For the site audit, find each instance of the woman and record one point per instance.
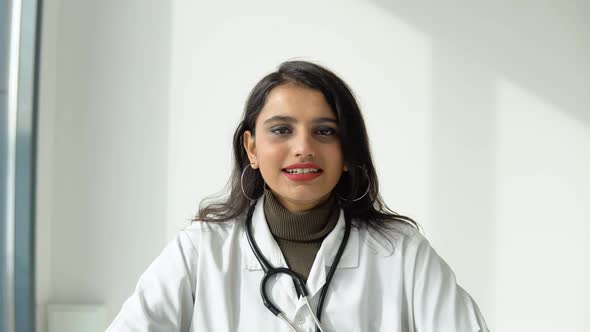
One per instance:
(303, 195)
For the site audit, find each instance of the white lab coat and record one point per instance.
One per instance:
(208, 279)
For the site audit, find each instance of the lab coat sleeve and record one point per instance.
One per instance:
(163, 299)
(439, 304)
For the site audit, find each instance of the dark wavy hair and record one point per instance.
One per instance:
(354, 142)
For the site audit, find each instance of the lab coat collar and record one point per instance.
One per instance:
(324, 258)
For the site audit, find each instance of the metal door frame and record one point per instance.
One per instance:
(19, 72)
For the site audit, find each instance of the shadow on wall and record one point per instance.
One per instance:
(539, 46)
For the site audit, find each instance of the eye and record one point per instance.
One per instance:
(280, 130)
(326, 131)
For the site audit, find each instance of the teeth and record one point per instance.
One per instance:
(302, 170)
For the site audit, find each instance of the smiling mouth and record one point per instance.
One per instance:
(302, 170)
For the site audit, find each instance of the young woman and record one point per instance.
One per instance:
(304, 241)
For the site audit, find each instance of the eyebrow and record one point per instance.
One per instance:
(289, 119)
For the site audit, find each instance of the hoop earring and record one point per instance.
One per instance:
(242, 183)
(366, 191)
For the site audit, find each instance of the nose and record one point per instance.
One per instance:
(303, 146)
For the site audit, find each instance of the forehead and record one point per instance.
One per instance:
(301, 103)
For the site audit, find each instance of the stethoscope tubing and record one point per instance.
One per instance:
(300, 284)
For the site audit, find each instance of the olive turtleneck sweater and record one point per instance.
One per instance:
(300, 234)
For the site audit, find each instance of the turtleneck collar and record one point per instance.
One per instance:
(308, 226)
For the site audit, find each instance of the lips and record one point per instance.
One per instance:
(302, 171)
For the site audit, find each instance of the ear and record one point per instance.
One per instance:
(250, 148)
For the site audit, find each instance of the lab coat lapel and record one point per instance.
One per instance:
(327, 253)
(269, 248)
(264, 239)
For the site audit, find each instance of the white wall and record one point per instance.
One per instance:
(510, 128)
(102, 149)
(476, 113)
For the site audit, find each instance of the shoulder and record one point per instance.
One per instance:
(389, 239)
(404, 244)
(196, 227)
(199, 231)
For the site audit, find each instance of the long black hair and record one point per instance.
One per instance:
(370, 209)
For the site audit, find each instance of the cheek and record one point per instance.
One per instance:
(335, 155)
(270, 156)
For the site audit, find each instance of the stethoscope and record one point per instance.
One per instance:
(300, 284)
